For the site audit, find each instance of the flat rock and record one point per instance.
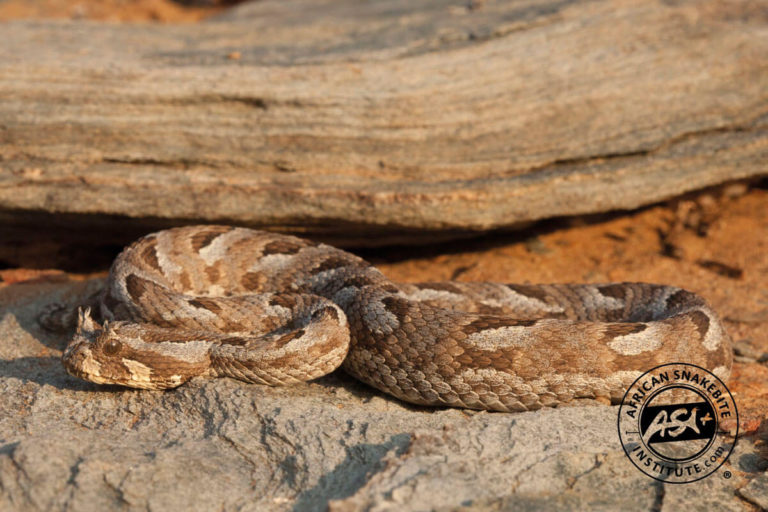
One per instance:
(367, 123)
(757, 491)
(335, 444)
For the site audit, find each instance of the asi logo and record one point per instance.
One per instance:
(669, 423)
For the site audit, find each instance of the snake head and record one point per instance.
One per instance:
(85, 354)
(132, 354)
(79, 357)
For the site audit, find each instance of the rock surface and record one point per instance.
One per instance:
(372, 123)
(225, 445)
(757, 491)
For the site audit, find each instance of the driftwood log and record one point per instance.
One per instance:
(377, 122)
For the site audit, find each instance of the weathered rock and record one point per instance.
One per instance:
(756, 491)
(371, 123)
(225, 445)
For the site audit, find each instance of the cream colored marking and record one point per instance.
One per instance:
(633, 344)
(525, 303)
(217, 250)
(216, 290)
(271, 261)
(193, 351)
(175, 380)
(429, 294)
(493, 339)
(90, 365)
(714, 334)
(722, 372)
(164, 247)
(139, 371)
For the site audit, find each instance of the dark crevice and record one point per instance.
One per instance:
(256, 102)
(668, 249)
(259, 103)
(599, 459)
(721, 269)
(89, 242)
(141, 161)
(666, 144)
(658, 499)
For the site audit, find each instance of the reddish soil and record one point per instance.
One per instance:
(166, 11)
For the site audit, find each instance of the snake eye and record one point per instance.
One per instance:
(111, 347)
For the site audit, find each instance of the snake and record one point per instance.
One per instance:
(267, 308)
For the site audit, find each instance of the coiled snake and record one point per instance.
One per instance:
(275, 309)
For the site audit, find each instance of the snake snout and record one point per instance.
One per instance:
(79, 361)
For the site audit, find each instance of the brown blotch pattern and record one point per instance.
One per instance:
(235, 327)
(136, 286)
(206, 237)
(701, 321)
(204, 303)
(287, 338)
(327, 311)
(253, 281)
(615, 291)
(359, 280)
(149, 254)
(183, 281)
(622, 329)
(397, 306)
(533, 292)
(493, 322)
(235, 340)
(213, 272)
(332, 263)
(285, 301)
(683, 298)
(283, 247)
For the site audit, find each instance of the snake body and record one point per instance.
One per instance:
(274, 309)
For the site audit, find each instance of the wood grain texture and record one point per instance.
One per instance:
(370, 123)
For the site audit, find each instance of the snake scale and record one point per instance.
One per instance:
(274, 309)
